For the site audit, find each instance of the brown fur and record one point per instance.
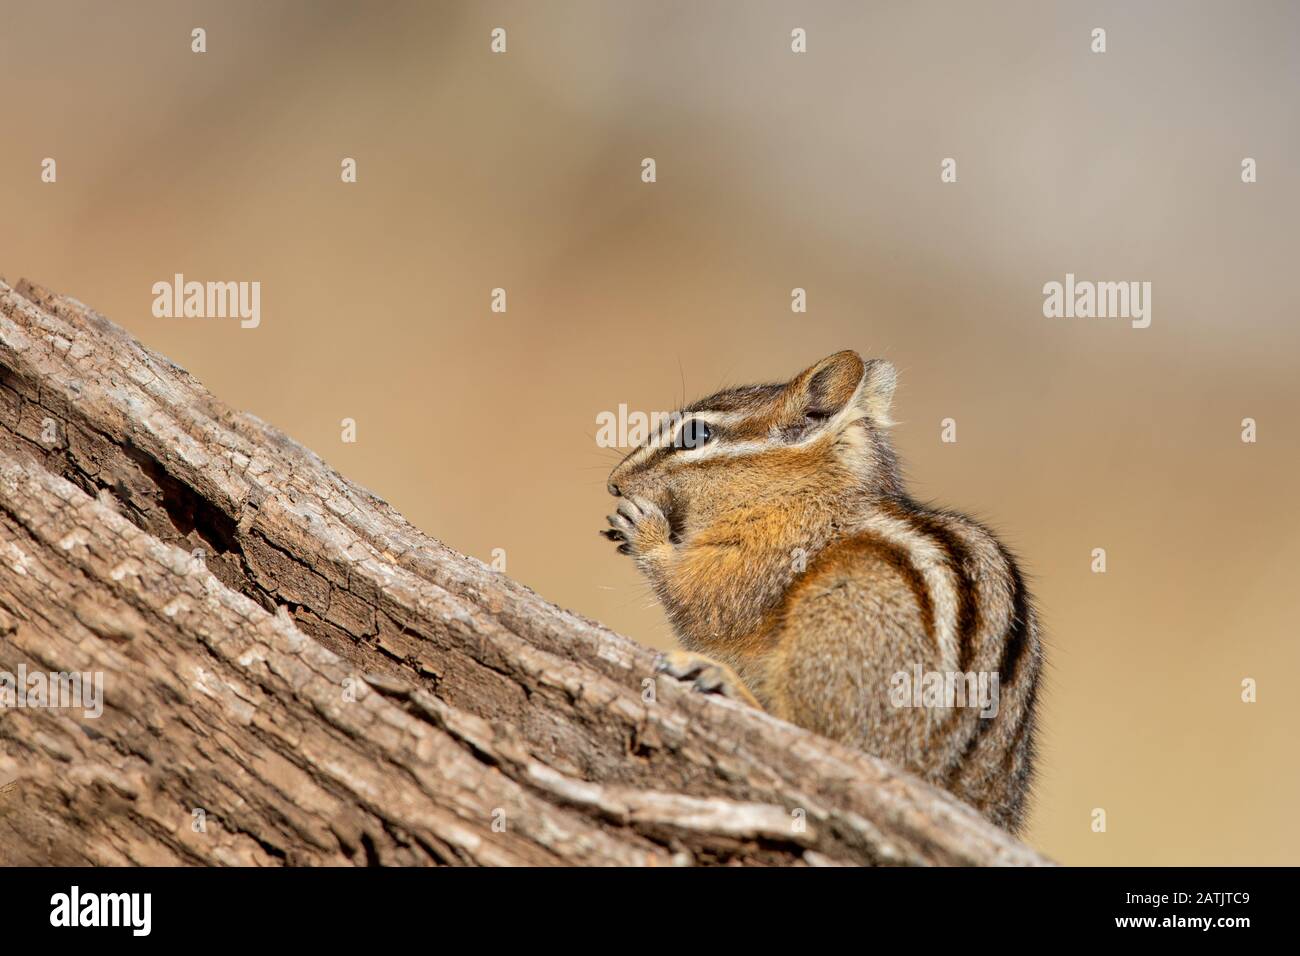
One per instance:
(803, 567)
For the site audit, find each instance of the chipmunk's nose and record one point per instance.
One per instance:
(613, 490)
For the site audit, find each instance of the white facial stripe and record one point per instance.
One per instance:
(721, 449)
(714, 418)
(723, 418)
(929, 561)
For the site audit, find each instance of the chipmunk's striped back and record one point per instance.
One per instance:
(986, 760)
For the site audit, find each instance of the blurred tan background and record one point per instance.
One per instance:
(775, 170)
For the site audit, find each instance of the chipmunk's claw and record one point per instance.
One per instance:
(684, 665)
(706, 675)
(639, 524)
(613, 534)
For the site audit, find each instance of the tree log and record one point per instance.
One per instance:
(293, 674)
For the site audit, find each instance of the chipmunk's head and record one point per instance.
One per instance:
(821, 434)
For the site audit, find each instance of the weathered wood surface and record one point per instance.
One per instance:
(285, 653)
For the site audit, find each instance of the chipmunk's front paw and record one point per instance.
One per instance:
(707, 676)
(640, 525)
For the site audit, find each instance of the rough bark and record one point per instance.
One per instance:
(285, 653)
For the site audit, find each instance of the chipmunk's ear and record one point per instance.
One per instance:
(824, 389)
(877, 393)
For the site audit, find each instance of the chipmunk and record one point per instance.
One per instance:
(772, 524)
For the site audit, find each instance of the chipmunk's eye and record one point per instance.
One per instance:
(694, 434)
